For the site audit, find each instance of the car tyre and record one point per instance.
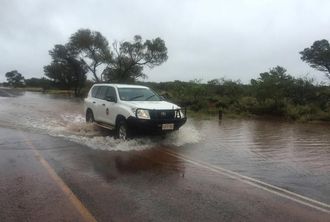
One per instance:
(89, 116)
(122, 131)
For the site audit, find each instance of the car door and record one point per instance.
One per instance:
(109, 116)
(99, 103)
(91, 99)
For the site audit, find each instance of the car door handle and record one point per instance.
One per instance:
(103, 104)
(94, 102)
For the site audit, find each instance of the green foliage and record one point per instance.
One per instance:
(92, 48)
(303, 91)
(274, 93)
(38, 83)
(66, 71)
(214, 82)
(15, 79)
(275, 85)
(123, 64)
(248, 104)
(318, 56)
(130, 58)
(299, 111)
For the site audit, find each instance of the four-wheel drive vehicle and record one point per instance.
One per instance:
(126, 108)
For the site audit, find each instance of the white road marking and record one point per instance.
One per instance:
(257, 183)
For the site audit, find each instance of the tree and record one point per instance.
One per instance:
(38, 82)
(92, 48)
(214, 82)
(275, 84)
(131, 57)
(318, 56)
(272, 90)
(65, 69)
(15, 78)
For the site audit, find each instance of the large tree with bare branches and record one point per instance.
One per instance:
(93, 50)
(131, 57)
(123, 63)
(318, 56)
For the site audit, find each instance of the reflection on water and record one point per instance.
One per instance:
(290, 155)
(112, 165)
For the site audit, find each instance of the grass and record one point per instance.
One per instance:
(48, 91)
(203, 114)
(31, 89)
(60, 92)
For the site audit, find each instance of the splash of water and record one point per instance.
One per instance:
(43, 114)
(186, 135)
(74, 128)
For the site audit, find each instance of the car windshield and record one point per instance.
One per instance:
(138, 94)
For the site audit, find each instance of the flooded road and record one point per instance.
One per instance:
(210, 170)
(63, 117)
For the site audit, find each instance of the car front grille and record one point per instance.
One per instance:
(162, 114)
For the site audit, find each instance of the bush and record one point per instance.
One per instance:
(248, 104)
(296, 112)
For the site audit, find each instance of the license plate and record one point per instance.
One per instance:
(168, 126)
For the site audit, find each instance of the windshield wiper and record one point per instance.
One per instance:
(135, 97)
(149, 97)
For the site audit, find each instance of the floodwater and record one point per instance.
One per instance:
(292, 156)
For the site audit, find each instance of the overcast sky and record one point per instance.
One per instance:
(205, 39)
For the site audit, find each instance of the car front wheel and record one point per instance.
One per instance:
(122, 130)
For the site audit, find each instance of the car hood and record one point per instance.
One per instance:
(157, 105)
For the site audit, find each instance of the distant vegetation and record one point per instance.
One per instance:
(273, 93)
(14, 79)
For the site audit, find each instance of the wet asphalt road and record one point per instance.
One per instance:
(44, 178)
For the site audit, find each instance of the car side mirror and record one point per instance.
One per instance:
(111, 99)
(162, 98)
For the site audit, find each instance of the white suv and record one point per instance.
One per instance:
(126, 108)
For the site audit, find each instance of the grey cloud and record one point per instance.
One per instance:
(205, 39)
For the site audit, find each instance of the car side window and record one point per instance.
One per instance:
(101, 92)
(94, 91)
(111, 94)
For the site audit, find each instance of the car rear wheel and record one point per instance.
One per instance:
(89, 116)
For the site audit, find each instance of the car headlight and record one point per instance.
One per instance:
(142, 114)
(179, 114)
